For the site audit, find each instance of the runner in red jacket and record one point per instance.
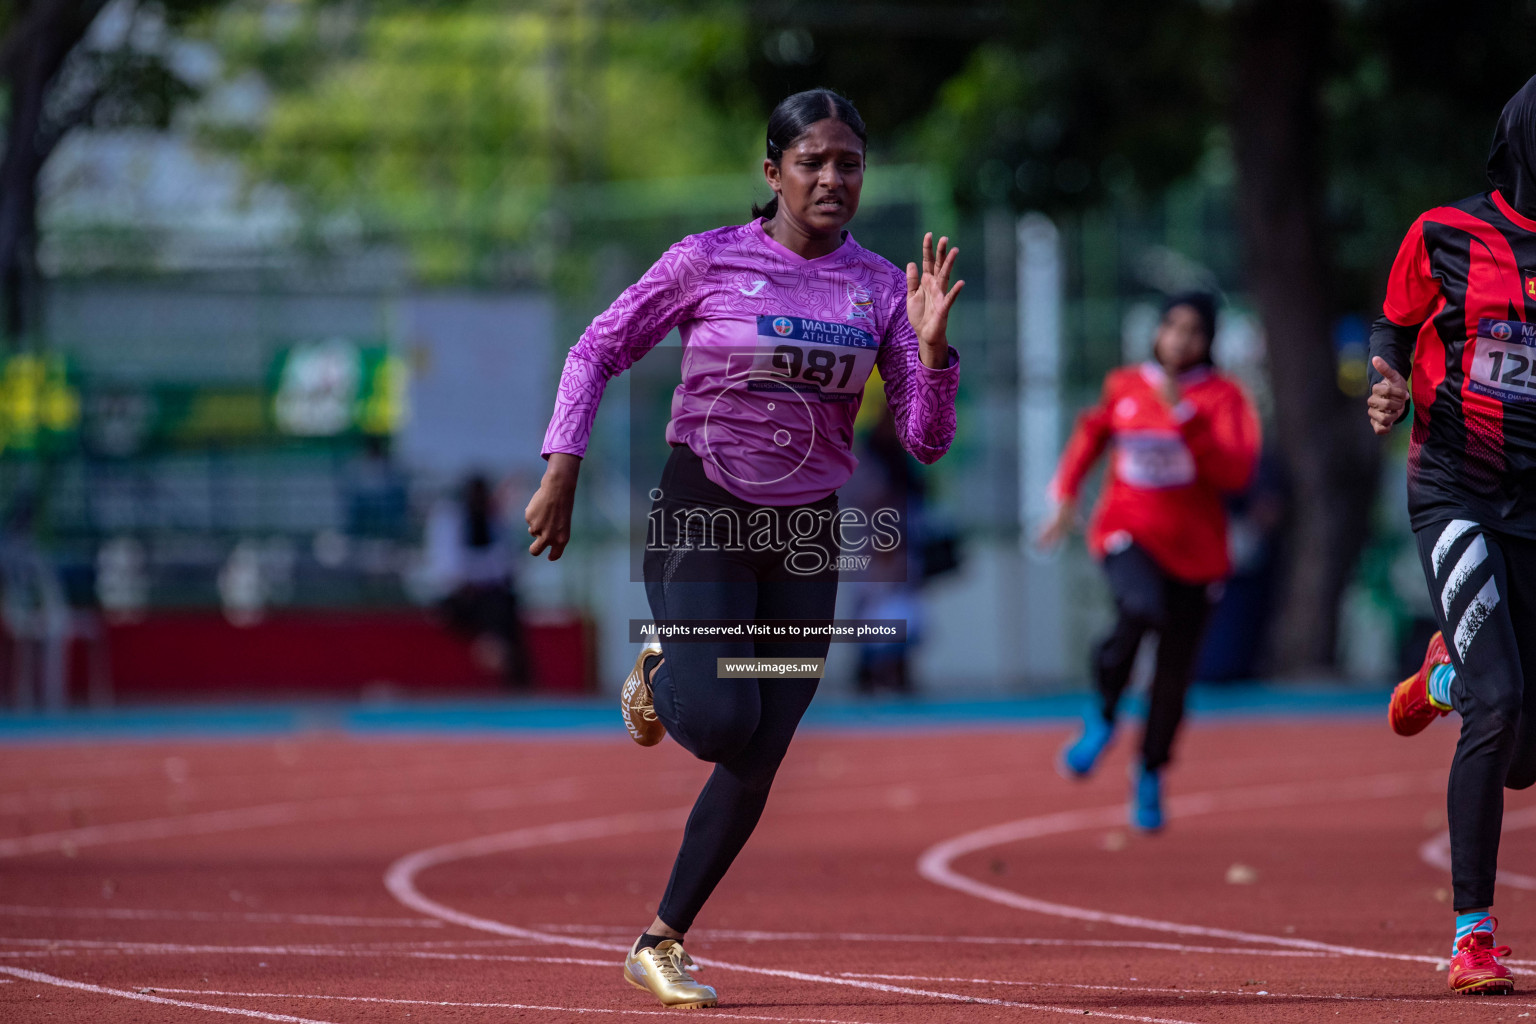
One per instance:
(1182, 436)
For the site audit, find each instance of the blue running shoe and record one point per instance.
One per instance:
(1147, 800)
(1078, 757)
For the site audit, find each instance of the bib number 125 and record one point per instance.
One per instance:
(1504, 361)
(1513, 365)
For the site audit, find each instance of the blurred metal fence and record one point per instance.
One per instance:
(175, 481)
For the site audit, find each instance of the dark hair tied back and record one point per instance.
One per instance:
(793, 117)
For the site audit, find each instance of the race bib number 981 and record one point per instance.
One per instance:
(1504, 362)
(829, 359)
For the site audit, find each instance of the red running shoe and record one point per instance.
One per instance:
(1475, 969)
(1411, 710)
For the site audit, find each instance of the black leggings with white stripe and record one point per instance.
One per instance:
(1483, 588)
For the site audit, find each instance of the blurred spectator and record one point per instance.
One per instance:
(896, 482)
(38, 622)
(1236, 640)
(469, 565)
(377, 496)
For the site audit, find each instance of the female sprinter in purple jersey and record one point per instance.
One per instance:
(782, 320)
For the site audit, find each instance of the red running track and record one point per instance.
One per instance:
(938, 876)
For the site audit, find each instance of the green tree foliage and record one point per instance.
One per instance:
(461, 127)
(890, 56)
(1413, 89)
(1072, 106)
(1067, 106)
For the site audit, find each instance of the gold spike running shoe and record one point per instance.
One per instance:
(638, 704)
(662, 970)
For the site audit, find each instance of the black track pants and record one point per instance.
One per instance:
(1483, 588)
(1147, 600)
(744, 725)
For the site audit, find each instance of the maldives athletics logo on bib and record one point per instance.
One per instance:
(783, 326)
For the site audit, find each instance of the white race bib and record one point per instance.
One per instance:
(829, 360)
(1504, 360)
(1153, 459)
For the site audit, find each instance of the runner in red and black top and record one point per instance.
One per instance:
(1459, 322)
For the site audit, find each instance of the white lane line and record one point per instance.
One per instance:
(201, 823)
(502, 1006)
(278, 949)
(722, 935)
(43, 948)
(727, 935)
(1256, 993)
(55, 948)
(69, 947)
(61, 801)
(287, 813)
(126, 914)
(937, 862)
(145, 997)
(198, 785)
(1436, 852)
(400, 880)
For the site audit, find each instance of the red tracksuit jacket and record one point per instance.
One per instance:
(1169, 468)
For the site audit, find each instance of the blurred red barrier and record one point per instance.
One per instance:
(331, 654)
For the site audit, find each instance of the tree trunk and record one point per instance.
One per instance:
(1332, 458)
(42, 37)
(18, 200)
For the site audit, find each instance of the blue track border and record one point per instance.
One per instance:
(543, 717)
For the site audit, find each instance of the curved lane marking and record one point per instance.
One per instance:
(1252, 993)
(936, 863)
(501, 1006)
(1436, 852)
(400, 880)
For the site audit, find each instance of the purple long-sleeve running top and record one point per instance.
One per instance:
(776, 352)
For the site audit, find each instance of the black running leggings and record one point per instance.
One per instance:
(743, 725)
(1483, 588)
(1147, 599)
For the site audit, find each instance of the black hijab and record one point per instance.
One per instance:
(1512, 161)
(1204, 305)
